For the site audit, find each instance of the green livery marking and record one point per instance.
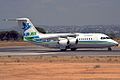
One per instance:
(32, 33)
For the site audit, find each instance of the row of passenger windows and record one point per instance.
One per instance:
(105, 38)
(85, 38)
(92, 39)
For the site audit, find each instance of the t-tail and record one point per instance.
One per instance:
(30, 33)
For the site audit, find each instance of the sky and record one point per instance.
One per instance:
(61, 12)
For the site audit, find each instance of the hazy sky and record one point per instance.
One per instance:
(62, 12)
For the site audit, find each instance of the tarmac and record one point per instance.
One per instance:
(56, 52)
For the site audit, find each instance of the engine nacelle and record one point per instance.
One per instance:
(63, 41)
(69, 42)
(72, 41)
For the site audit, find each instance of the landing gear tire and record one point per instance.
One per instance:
(73, 49)
(63, 49)
(109, 49)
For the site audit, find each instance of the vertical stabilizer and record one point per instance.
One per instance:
(29, 31)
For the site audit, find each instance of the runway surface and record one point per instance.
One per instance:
(47, 51)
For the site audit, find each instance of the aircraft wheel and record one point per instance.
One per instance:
(63, 49)
(109, 49)
(73, 49)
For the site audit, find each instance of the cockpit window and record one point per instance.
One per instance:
(108, 37)
(105, 38)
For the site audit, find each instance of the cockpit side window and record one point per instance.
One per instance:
(105, 38)
(102, 37)
(108, 38)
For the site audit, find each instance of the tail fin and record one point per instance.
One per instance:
(29, 31)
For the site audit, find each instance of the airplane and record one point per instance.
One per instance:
(64, 41)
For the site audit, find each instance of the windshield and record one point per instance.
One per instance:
(105, 38)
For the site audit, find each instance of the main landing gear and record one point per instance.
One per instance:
(63, 49)
(109, 49)
(73, 49)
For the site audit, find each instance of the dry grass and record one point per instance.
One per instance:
(60, 59)
(59, 71)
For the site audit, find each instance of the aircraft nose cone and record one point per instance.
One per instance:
(116, 43)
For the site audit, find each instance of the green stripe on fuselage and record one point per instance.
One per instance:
(29, 38)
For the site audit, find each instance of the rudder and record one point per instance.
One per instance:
(30, 33)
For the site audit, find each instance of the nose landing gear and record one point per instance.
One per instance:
(109, 49)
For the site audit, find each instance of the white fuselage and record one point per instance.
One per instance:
(85, 40)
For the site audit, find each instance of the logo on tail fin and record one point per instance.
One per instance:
(26, 26)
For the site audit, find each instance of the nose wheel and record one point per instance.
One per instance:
(109, 49)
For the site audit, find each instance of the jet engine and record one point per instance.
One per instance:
(69, 42)
(63, 42)
(72, 41)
